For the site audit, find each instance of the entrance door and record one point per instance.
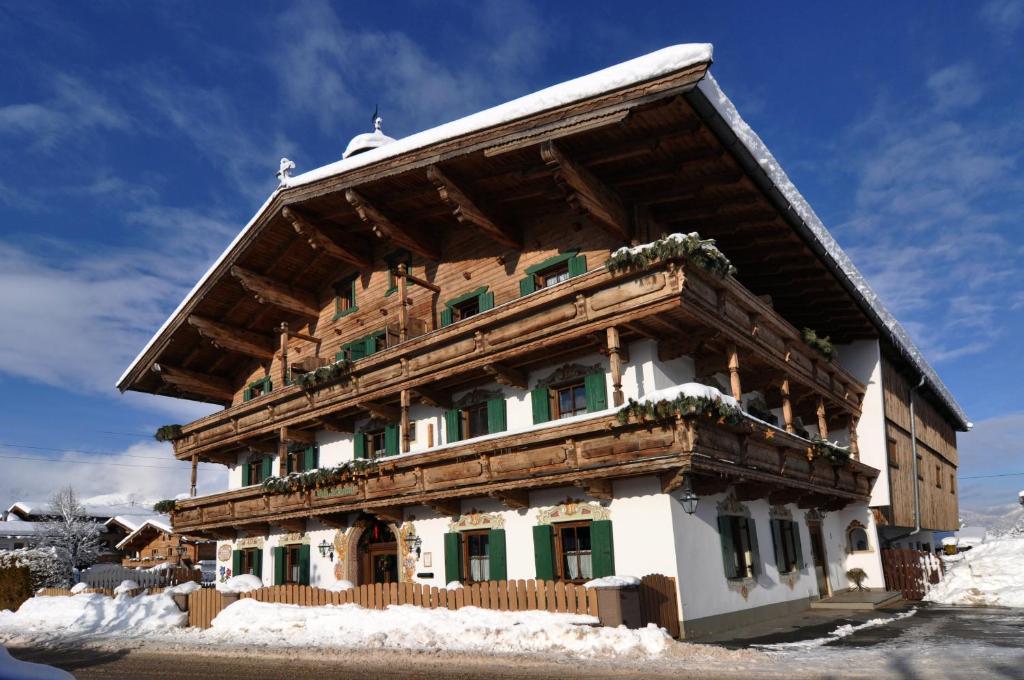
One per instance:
(818, 555)
(378, 555)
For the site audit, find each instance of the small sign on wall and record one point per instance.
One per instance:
(428, 559)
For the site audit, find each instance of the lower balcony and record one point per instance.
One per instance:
(589, 452)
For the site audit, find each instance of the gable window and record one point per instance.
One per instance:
(738, 537)
(553, 271)
(573, 556)
(257, 388)
(577, 394)
(345, 297)
(466, 306)
(786, 541)
(302, 459)
(476, 418)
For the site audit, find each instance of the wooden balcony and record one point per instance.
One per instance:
(761, 461)
(685, 307)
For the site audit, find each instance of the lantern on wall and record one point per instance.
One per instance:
(688, 499)
(326, 549)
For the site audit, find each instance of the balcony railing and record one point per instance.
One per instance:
(573, 311)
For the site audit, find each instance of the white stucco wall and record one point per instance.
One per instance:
(840, 559)
(863, 360)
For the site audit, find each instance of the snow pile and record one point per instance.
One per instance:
(343, 584)
(842, 631)
(79, 587)
(408, 627)
(240, 584)
(988, 575)
(93, 614)
(183, 588)
(453, 585)
(612, 582)
(14, 669)
(691, 389)
(126, 586)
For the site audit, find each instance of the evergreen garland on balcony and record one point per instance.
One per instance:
(164, 507)
(822, 344)
(323, 375)
(686, 406)
(702, 252)
(836, 454)
(167, 433)
(319, 478)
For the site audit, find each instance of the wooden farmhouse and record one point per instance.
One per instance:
(506, 348)
(154, 543)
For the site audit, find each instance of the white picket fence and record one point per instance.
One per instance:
(111, 576)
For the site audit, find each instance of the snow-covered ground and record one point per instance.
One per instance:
(13, 669)
(990, 574)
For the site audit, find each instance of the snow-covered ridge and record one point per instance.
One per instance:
(988, 575)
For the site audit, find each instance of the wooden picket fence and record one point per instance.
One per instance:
(658, 603)
(109, 592)
(111, 575)
(517, 595)
(910, 571)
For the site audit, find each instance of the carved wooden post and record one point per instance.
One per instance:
(405, 420)
(195, 465)
(403, 308)
(284, 353)
(734, 373)
(854, 448)
(282, 452)
(787, 407)
(822, 420)
(615, 359)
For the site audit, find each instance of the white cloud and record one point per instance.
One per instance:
(955, 86)
(992, 447)
(1003, 17)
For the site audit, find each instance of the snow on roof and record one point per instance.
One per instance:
(131, 522)
(157, 524)
(18, 527)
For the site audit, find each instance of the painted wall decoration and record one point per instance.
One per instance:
(573, 510)
(730, 506)
(780, 512)
(293, 537)
(477, 520)
(406, 551)
(249, 542)
(224, 553)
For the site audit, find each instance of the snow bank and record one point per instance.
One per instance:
(842, 631)
(343, 584)
(612, 581)
(691, 389)
(125, 586)
(407, 627)
(183, 588)
(990, 574)
(93, 614)
(15, 669)
(240, 584)
(453, 585)
(79, 587)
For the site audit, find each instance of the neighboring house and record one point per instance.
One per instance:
(429, 374)
(33, 516)
(17, 533)
(153, 543)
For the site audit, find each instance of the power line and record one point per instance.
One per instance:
(87, 452)
(1007, 474)
(91, 462)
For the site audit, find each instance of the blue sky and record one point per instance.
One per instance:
(139, 137)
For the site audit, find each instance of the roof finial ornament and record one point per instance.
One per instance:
(377, 120)
(284, 172)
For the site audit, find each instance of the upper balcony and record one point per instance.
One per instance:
(690, 311)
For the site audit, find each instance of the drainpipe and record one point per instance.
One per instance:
(913, 450)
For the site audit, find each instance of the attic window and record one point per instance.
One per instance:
(345, 297)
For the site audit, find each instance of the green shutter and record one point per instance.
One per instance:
(796, 545)
(452, 557)
(304, 564)
(268, 385)
(497, 419)
(452, 425)
(360, 445)
(268, 466)
(356, 349)
(596, 391)
(257, 563)
(236, 562)
(527, 285)
(486, 301)
(245, 474)
(370, 343)
(310, 458)
(602, 548)
(728, 550)
(278, 565)
(541, 405)
(577, 265)
(391, 440)
(754, 551)
(498, 560)
(247, 394)
(778, 543)
(543, 552)
(446, 317)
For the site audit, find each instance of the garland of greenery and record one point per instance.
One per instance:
(686, 406)
(701, 252)
(836, 454)
(168, 433)
(758, 408)
(323, 375)
(823, 345)
(319, 478)
(164, 507)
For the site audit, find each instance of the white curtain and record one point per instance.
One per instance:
(480, 568)
(579, 564)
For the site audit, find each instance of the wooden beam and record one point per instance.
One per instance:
(293, 525)
(233, 339)
(192, 485)
(404, 421)
(385, 228)
(263, 445)
(338, 520)
(673, 479)
(391, 513)
(467, 212)
(734, 372)
(268, 291)
(753, 491)
(191, 382)
(336, 424)
(450, 507)
(785, 496)
(586, 194)
(822, 419)
(513, 500)
(508, 376)
(293, 436)
(787, 407)
(254, 528)
(432, 397)
(709, 486)
(318, 240)
(600, 489)
(615, 362)
(388, 413)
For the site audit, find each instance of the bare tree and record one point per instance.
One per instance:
(74, 534)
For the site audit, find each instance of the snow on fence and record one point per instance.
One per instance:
(109, 592)
(111, 575)
(521, 595)
(912, 572)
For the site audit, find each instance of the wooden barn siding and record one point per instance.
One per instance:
(936, 442)
(465, 251)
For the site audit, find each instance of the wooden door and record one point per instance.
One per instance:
(379, 564)
(820, 563)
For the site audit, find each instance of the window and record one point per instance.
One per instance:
(552, 275)
(739, 546)
(257, 388)
(376, 443)
(292, 566)
(474, 420)
(570, 400)
(553, 271)
(465, 306)
(573, 556)
(786, 541)
(302, 459)
(465, 309)
(476, 558)
(345, 297)
(938, 476)
(255, 471)
(952, 482)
